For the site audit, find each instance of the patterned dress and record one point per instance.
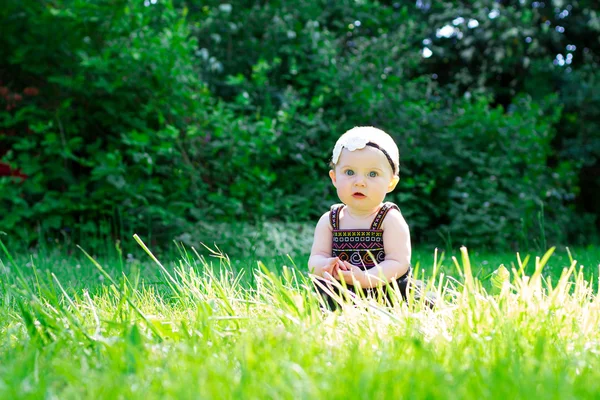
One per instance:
(360, 246)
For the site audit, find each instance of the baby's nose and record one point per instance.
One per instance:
(360, 181)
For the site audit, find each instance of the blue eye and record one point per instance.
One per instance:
(373, 174)
(349, 172)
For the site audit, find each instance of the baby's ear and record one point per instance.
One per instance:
(393, 183)
(332, 176)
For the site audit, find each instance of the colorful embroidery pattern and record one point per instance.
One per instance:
(359, 246)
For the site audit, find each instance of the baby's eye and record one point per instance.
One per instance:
(373, 174)
(349, 172)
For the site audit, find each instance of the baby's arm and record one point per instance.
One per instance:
(320, 256)
(396, 243)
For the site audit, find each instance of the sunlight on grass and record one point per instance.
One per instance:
(204, 332)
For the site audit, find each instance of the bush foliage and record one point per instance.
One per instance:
(151, 117)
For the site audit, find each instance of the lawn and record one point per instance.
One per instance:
(194, 326)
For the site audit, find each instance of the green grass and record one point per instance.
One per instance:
(202, 327)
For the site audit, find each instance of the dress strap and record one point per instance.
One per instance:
(334, 216)
(385, 208)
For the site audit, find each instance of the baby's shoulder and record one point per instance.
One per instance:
(333, 210)
(334, 214)
(394, 218)
(325, 216)
(325, 220)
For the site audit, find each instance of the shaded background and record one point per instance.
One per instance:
(183, 119)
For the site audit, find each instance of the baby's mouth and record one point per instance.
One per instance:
(358, 195)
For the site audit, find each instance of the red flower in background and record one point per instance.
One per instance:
(6, 170)
(31, 91)
(12, 99)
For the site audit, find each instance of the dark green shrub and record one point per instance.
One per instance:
(501, 181)
(579, 142)
(504, 49)
(105, 139)
(149, 118)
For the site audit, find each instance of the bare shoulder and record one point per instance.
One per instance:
(396, 238)
(323, 237)
(395, 221)
(324, 221)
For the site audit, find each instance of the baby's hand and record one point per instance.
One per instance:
(344, 265)
(332, 265)
(339, 269)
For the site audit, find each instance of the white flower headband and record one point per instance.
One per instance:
(360, 137)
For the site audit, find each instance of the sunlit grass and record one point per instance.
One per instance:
(203, 327)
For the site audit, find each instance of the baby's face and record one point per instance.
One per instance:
(363, 178)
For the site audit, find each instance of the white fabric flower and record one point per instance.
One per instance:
(358, 137)
(350, 142)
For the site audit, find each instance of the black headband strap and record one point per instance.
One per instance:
(386, 155)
